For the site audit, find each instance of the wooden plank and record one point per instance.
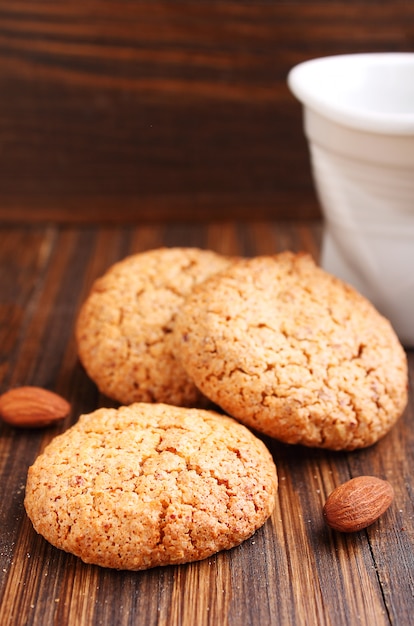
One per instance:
(167, 110)
(294, 570)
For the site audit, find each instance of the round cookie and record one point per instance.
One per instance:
(151, 484)
(293, 352)
(123, 330)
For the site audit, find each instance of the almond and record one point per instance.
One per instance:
(32, 407)
(357, 503)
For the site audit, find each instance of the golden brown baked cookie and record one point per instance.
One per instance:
(151, 484)
(123, 330)
(293, 352)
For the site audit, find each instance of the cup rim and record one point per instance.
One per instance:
(300, 83)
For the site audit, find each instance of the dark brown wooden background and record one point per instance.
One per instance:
(124, 110)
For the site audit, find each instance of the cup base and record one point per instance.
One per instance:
(336, 262)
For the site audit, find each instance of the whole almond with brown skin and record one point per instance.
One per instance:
(358, 503)
(32, 407)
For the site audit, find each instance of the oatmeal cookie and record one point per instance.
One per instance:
(151, 484)
(293, 352)
(123, 330)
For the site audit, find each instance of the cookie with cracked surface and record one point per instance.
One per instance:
(151, 484)
(123, 330)
(293, 352)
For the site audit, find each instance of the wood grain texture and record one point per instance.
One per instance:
(294, 570)
(167, 110)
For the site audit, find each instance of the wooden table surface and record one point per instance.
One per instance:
(294, 570)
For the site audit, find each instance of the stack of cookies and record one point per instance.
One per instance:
(276, 342)
(281, 346)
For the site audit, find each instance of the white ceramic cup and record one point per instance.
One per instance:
(359, 122)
